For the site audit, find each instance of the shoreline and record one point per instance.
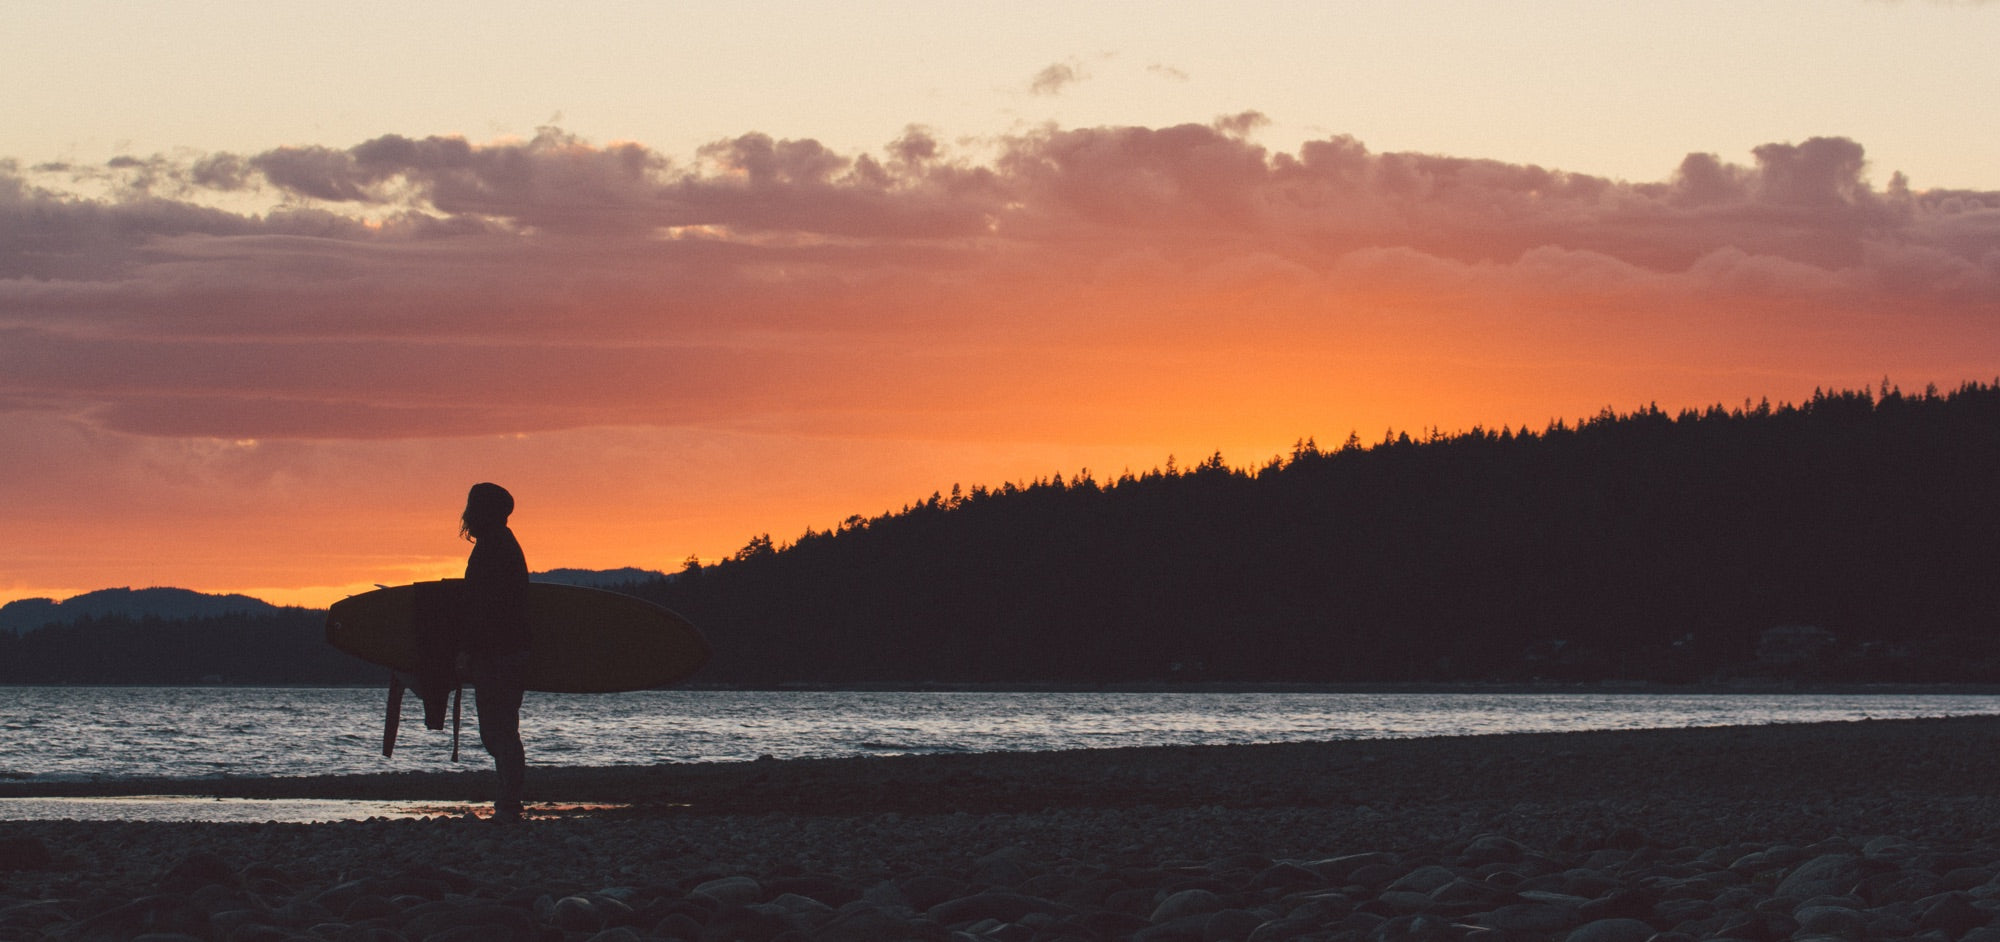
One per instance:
(1802, 758)
(1533, 835)
(1740, 688)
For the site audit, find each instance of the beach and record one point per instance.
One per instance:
(1863, 830)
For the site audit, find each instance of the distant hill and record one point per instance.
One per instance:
(598, 578)
(281, 646)
(167, 603)
(171, 604)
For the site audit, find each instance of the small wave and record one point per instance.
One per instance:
(13, 776)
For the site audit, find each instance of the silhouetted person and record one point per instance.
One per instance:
(494, 643)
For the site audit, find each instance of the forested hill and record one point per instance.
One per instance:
(28, 614)
(285, 646)
(1864, 526)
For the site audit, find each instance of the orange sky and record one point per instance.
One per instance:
(665, 357)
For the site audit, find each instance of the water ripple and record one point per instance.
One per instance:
(85, 733)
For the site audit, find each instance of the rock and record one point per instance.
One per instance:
(1563, 900)
(1895, 886)
(195, 871)
(730, 891)
(1462, 895)
(1397, 903)
(34, 915)
(744, 924)
(926, 890)
(1954, 914)
(1001, 868)
(1491, 849)
(226, 923)
(1777, 857)
(1186, 903)
(1887, 925)
(1282, 930)
(1617, 904)
(1676, 911)
(1112, 925)
(1287, 876)
(792, 904)
(1005, 907)
(829, 890)
(1424, 879)
(1888, 846)
(25, 853)
(1529, 918)
(1612, 930)
(1342, 869)
(357, 934)
(862, 923)
(1231, 925)
(1418, 928)
(468, 922)
(1757, 927)
(680, 926)
(1374, 876)
(1965, 878)
(1184, 929)
(1831, 920)
(456, 934)
(1825, 875)
(165, 914)
(575, 914)
(258, 932)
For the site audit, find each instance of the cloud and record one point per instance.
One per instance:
(407, 288)
(1056, 78)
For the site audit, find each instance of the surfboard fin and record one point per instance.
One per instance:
(435, 696)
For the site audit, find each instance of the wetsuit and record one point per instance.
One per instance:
(496, 640)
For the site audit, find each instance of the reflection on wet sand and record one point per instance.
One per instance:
(253, 810)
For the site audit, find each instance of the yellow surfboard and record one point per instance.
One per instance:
(581, 640)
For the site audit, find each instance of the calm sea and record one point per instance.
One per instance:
(89, 733)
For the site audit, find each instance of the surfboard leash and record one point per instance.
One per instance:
(457, 699)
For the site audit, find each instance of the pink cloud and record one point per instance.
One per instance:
(436, 287)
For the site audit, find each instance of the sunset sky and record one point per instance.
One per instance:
(279, 281)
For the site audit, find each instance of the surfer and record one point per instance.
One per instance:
(494, 645)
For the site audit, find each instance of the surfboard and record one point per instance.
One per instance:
(581, 640)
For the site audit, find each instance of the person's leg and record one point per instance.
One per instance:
(498, 701)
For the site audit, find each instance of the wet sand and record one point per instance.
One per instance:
(1385, 840)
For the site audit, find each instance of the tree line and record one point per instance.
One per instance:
(1641, 546)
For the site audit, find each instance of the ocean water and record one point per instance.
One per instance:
(92, 733)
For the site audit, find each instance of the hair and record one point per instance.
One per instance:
(487, 507)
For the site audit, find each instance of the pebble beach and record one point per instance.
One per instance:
(1858, 831)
